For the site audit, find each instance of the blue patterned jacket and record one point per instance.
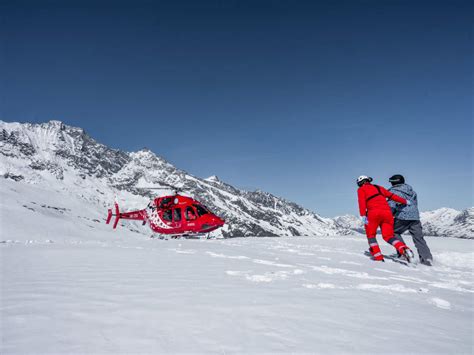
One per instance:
(404, 212)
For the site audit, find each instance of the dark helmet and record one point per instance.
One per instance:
(361, 180)
(397, 179)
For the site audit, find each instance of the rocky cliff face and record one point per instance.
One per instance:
(67, 158)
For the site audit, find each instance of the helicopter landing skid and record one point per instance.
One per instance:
(184, 236)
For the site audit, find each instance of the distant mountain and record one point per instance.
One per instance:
(59, 156)
(443, 222)
(447, 222)
(351, 222)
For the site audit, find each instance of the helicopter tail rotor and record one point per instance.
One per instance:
(109, 216)
(117, 215)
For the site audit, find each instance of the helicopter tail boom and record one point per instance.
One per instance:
(135, 215)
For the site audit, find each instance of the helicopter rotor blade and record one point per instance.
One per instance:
(174, 188)
(159, 188)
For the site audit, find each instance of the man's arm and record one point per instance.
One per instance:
(392, 196)
(362, 205)
(392, 204)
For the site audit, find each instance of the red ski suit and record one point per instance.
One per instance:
(373, 204)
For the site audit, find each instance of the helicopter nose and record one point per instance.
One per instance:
(219, 221)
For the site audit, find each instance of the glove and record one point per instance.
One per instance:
(409, 203)
(364, 219)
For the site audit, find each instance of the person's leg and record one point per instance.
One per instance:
(388, 233)
(424, 252)
(374, 248)
(399, 227)
(371, 231)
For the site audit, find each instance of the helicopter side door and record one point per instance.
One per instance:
(167, 216)
(190, 216)
(177, 217)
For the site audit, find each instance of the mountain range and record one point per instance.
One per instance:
(55, 155)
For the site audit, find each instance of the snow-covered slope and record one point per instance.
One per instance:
(70, 284)
(56, 155)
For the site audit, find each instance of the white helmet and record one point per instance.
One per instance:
(362, 179)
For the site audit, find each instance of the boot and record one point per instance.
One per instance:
(407, 254)
(376, 253)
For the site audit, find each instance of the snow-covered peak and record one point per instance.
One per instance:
(213, 178)
(444, 212)
(55, 147)
(145, 155)
(55, 123)
(351, 222)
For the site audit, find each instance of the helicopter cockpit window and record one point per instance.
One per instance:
(167, 215)
(177, 214)
(165, 201)
(200, 210)
(190, 214)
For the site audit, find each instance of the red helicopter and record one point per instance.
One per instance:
(174, 216)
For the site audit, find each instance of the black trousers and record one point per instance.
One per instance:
(416, 231)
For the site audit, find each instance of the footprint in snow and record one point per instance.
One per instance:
(349, 273)
(387, 271)
(186, 251)
(350, 263)
(266, 277)
(395, 288)
(217, 255)
(320, 286)
(272, 263)
(440, 303)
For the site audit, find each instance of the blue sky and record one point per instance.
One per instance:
(294, 98)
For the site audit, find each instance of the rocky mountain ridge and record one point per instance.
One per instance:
(55, 153)
(66, 157)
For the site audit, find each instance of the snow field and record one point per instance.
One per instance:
(71, 284)
(252, 295)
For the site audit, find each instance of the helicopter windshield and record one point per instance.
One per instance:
(201, 210)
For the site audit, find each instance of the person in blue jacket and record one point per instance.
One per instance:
(407, 217)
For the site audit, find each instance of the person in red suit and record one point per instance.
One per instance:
(375, 212)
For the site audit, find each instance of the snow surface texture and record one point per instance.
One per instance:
(71, 284)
